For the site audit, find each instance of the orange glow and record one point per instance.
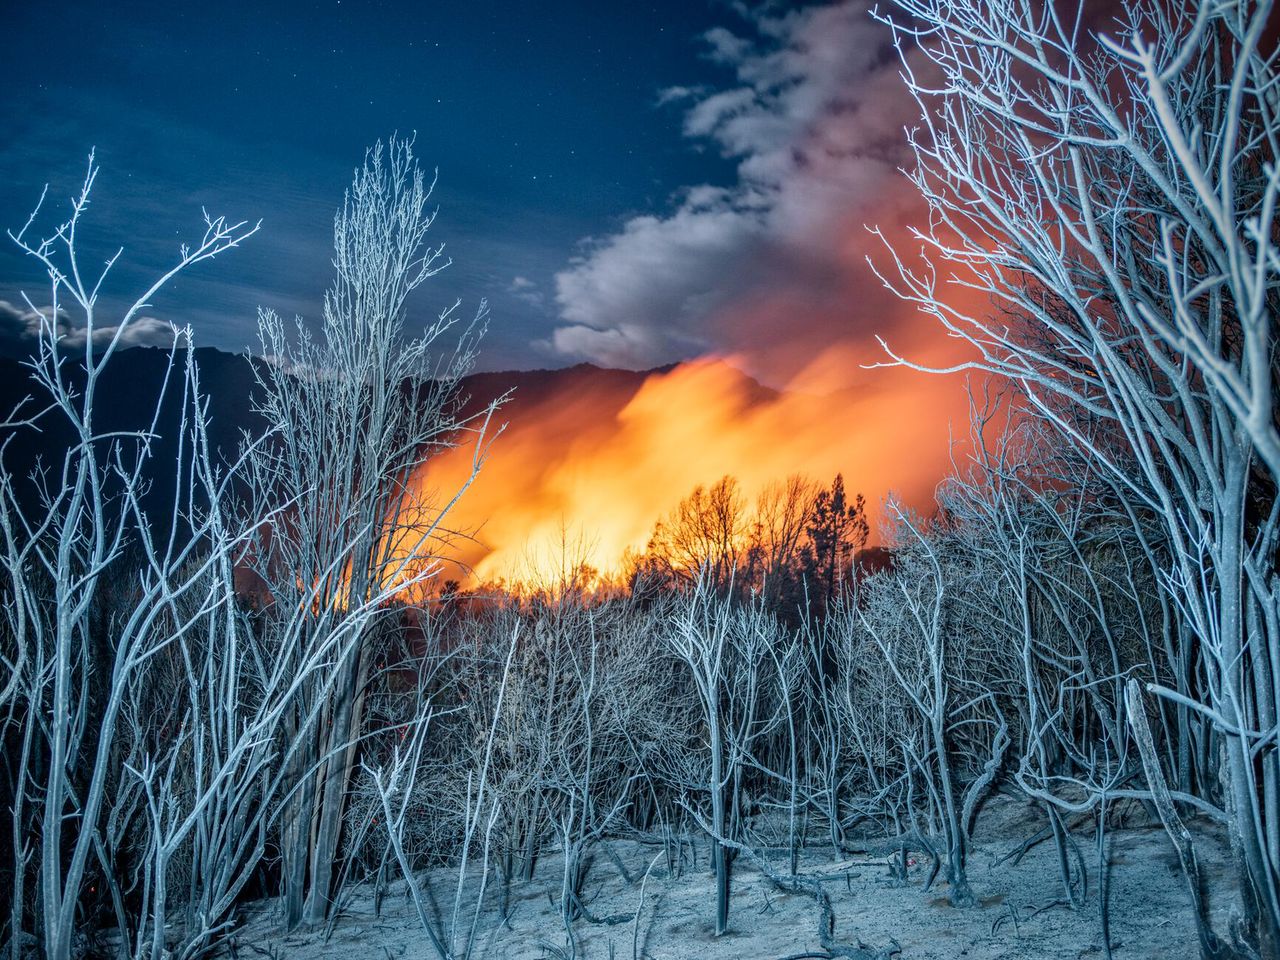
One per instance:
(592, 459)
(597, 458)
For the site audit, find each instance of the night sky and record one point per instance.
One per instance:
(628, 184)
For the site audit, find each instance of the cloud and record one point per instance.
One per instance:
(141, 332)
(726, 47)
(21, 322)
(676, 94)
(20, 328)
(813, 118)
(645, 290)
(522, 288)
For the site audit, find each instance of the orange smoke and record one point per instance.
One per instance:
(593, 459)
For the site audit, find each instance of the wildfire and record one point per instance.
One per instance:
(592, 459)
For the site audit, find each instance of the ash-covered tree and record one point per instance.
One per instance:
(143, 716)
(357, 408)
(1112, 196)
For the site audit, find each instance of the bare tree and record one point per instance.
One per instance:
(726, 647)
(357, 410)
(68, 694)
(912, 619)
(1115, 199)
(777, 532)
(704, 534)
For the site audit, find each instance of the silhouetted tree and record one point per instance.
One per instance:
(776, 542)
(704, 532)
(837, 530)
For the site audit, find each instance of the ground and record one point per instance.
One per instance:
(1016, 919)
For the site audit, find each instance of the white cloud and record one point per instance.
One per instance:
(726, 46)
(676, 94)
(647, 286)
(141, 332)
(522, 288)
(23, 324)
(814, 121)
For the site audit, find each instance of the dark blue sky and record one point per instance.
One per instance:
(543, 119)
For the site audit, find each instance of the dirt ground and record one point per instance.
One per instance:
(1018, 917)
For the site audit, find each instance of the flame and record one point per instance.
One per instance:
(590, 466)
(592, 459)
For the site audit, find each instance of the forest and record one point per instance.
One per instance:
(246, 698)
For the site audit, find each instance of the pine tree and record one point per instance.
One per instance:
(837, 530)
